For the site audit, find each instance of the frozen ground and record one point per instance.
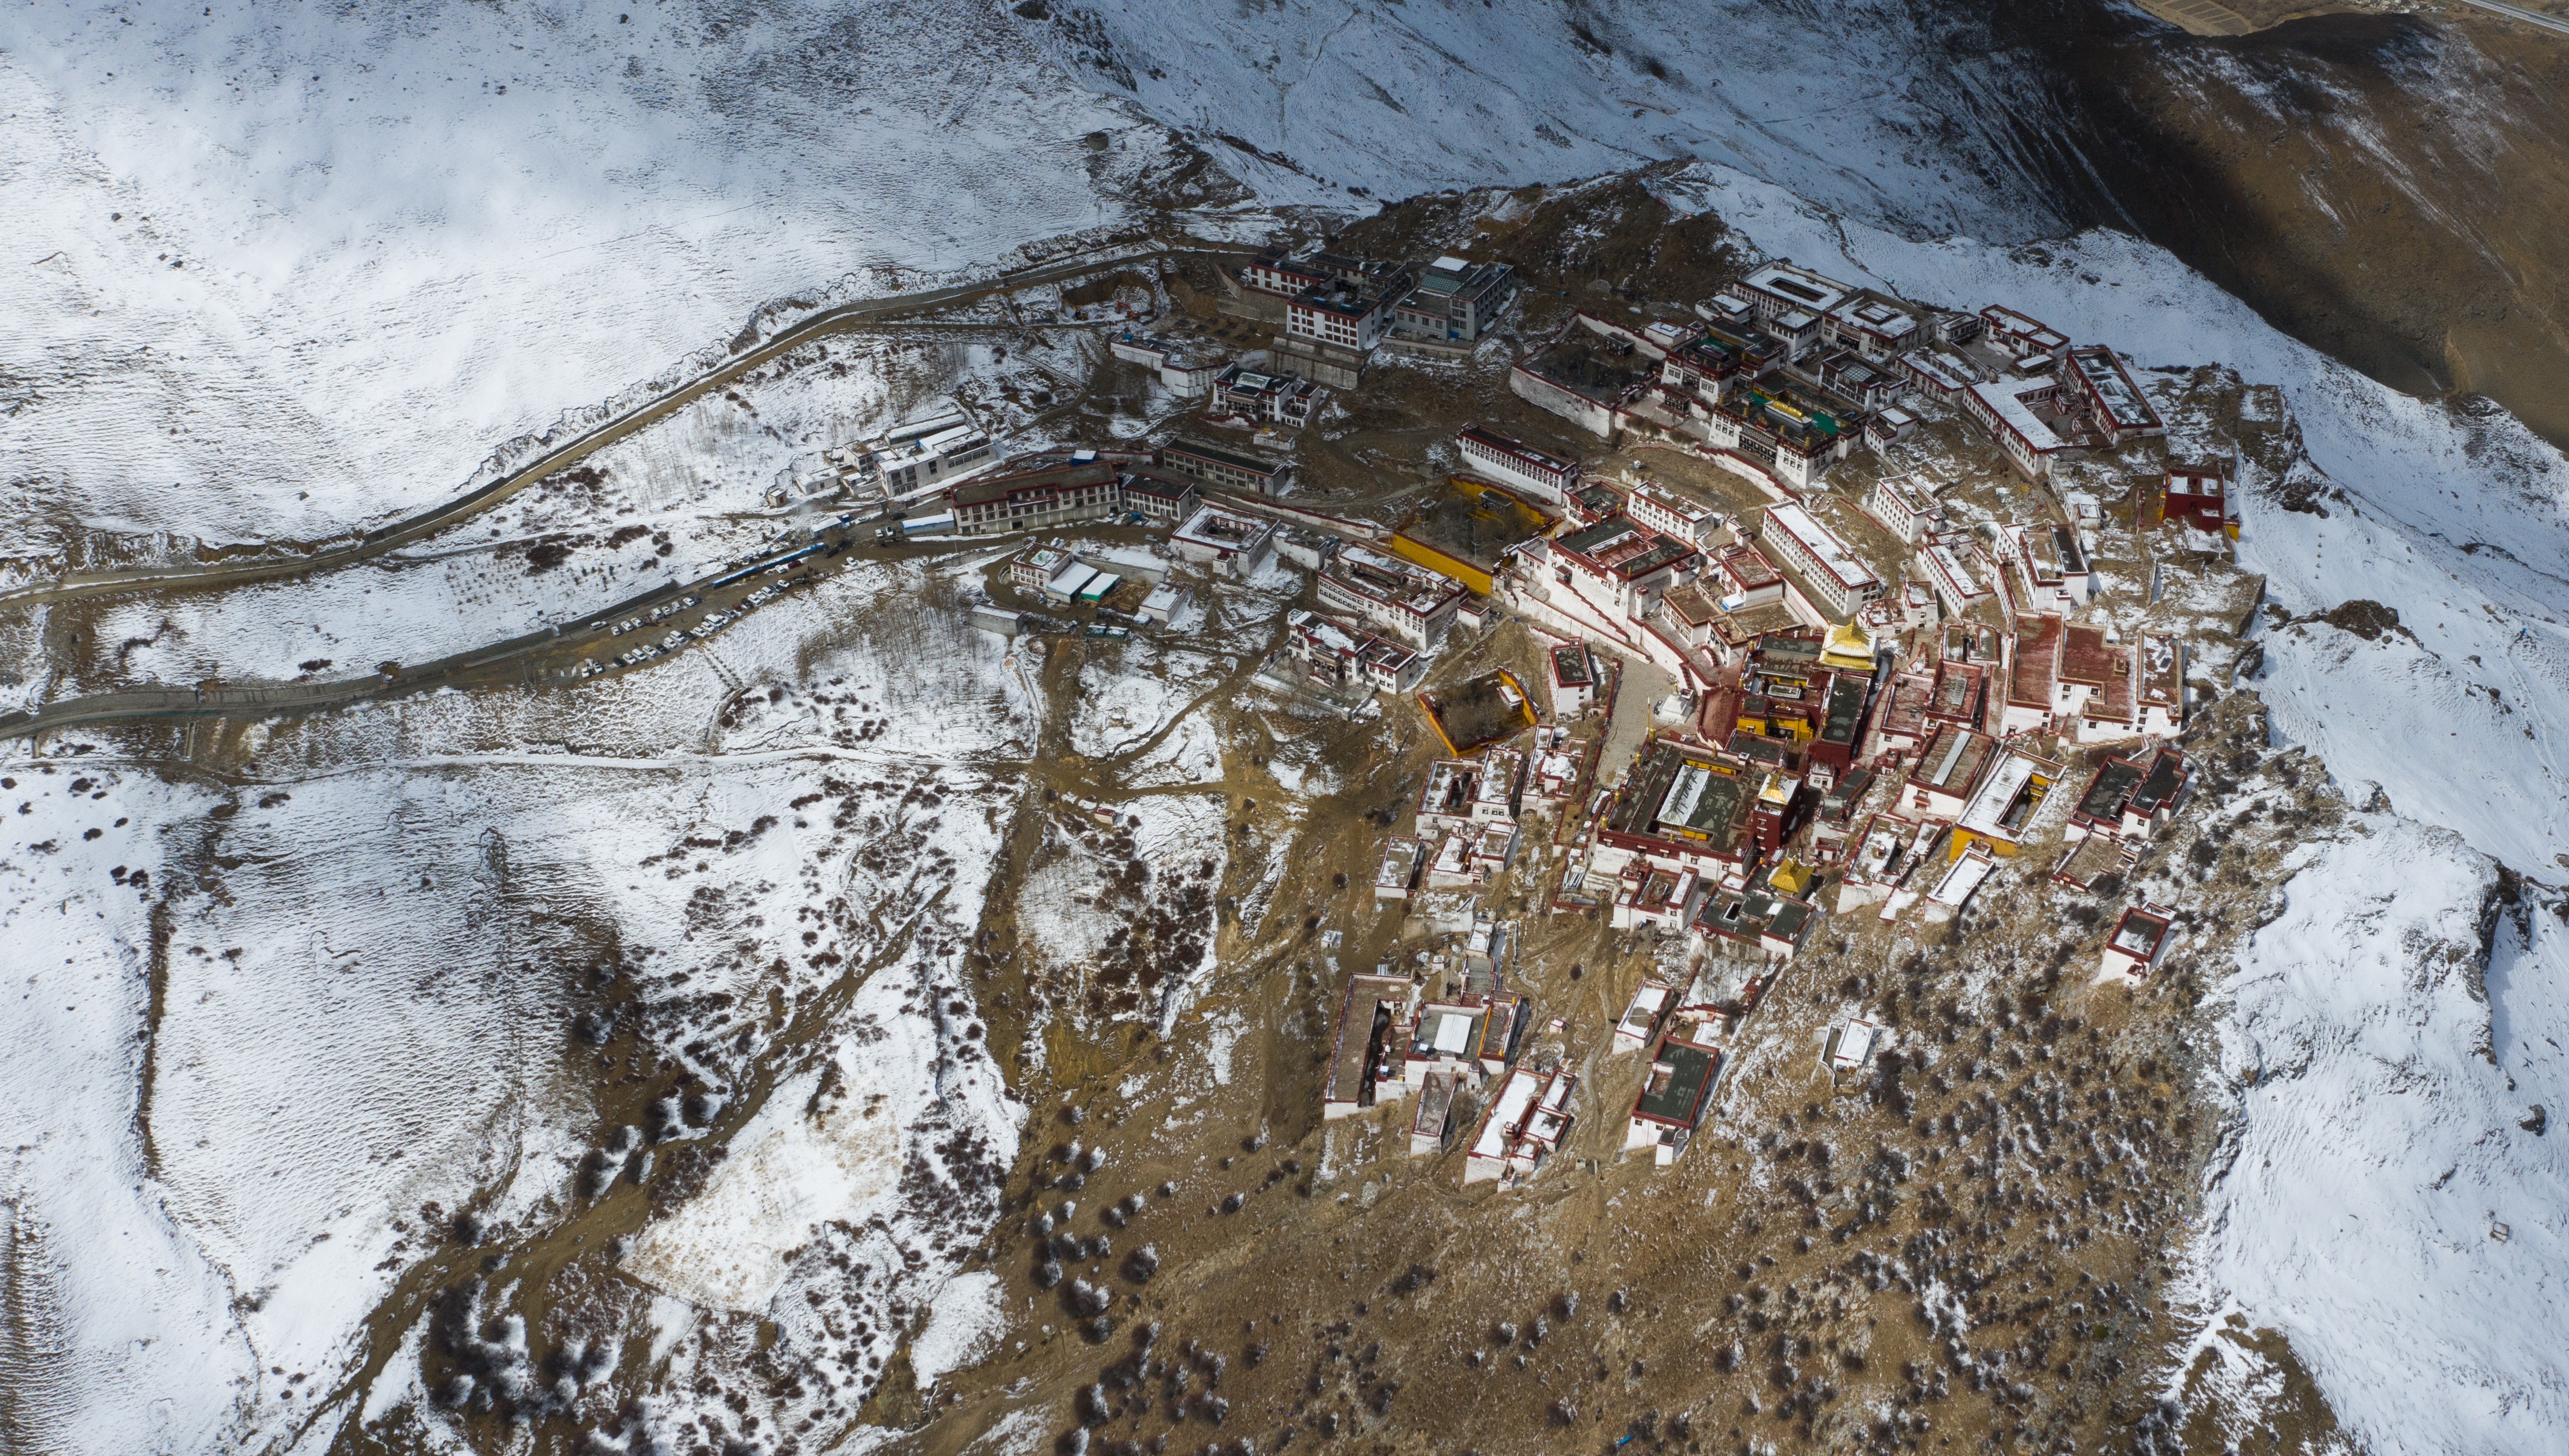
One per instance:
(411, 945)
(677, 500)
(279, 270)
(283, 272)
(2377, 1197)
(1327, 104)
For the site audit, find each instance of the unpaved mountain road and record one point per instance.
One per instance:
(539, 656)
(2518, 12)
(868, 311)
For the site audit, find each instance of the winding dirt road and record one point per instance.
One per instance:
(383, 539)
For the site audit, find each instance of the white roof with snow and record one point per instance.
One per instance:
(1808, 290)
(1824, 545)
(2005, 400)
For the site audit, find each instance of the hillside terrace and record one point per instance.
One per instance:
(1477, 713)
(1588, 365)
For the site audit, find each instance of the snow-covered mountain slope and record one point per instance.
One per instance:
(2379, 1196)
(288, 269)
(281, 269)
(2383, 186)
(301, 1032)
(284, 270)
(1908, 115)
(123, 1305)
(674, 500)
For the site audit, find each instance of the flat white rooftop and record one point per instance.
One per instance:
(2005, 400)
(1808, 290)
(1822, 544)
(1998, 792)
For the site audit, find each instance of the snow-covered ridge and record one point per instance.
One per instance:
(2379, 1196)
(1897, 113)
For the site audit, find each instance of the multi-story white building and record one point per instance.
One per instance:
(2020, 334)
(2114, 403)
(1495, 792)
(1938, 372)
(2053, 568)
(1708, 364)
(1798, 330)
(1226, 540)
(1036, 492)
(1780, 288)
(2143, 695)
(1870, 383)
(1941, 560)
(1391, 596)
(1186, 375)
(1903, 508)
(1572, 679)
(1276, 272)
(2065, 676)
(940, 450)
(1338, 654)
(1350, 306)
(1746, 577)
(1527, 1118)
(1517, 465)
(1281, 399)
(1873, 327)
(1233, 469)
(2007, 409)
(1160, 493)
(1341, 315)
(1670, 513)
(1622, 568)
(1795, 432)
(1036, 565)
(1831, 568)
